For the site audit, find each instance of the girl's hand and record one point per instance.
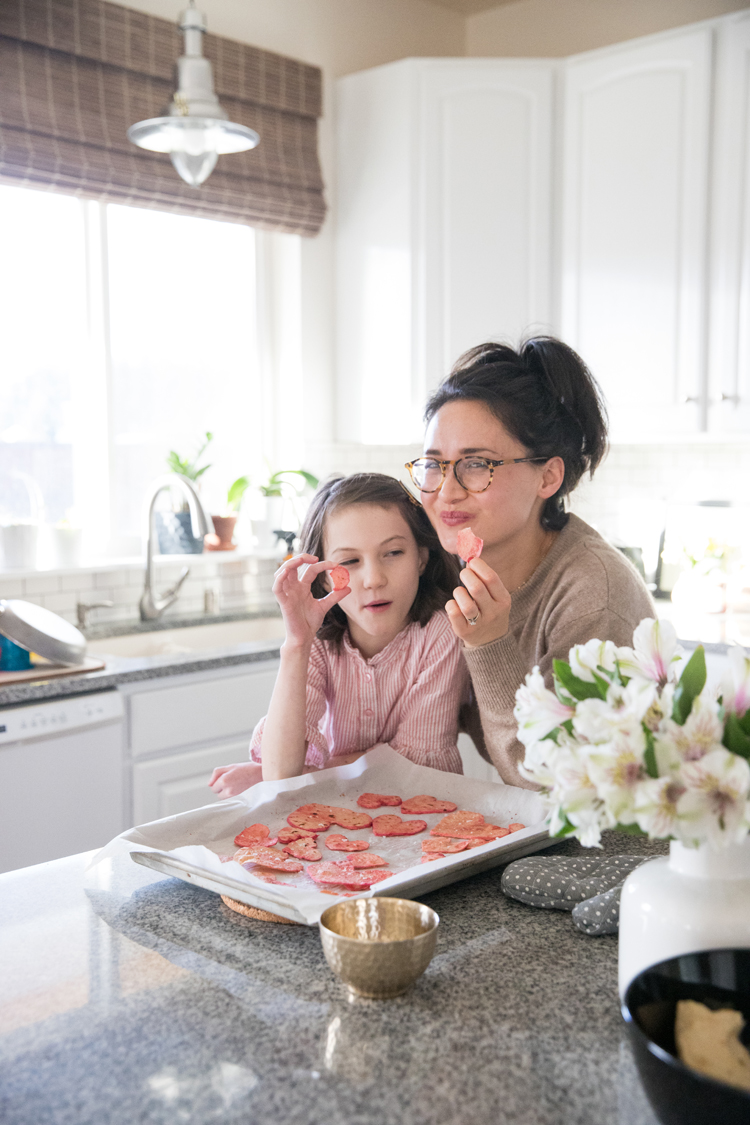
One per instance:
(483, 597)
(303, 614)
(228, 781)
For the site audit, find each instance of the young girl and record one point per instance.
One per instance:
(376, 661)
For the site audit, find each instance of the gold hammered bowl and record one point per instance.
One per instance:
(378, 946)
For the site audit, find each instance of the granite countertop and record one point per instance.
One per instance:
(128, 669)
(128, 997)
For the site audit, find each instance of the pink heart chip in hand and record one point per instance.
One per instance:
(339, 577)
(469, 545)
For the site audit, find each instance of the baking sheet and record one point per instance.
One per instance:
(188, 846)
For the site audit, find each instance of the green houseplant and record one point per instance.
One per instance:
(173, 529)
(280, 490)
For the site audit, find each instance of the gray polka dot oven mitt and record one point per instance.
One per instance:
(590, 887)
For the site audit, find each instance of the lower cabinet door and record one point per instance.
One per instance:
(175, 784)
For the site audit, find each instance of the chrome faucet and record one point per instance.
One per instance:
(152, 607)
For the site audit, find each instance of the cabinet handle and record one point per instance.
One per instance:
(729, 398)
(691, 398)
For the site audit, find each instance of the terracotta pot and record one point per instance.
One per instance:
(224, 529)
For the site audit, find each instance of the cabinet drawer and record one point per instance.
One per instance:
(206, 711)
(172, 785)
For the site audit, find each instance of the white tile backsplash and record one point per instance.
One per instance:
(238, 581)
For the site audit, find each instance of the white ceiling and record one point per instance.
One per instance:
(469, 7)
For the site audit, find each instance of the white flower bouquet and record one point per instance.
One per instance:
(623, 742)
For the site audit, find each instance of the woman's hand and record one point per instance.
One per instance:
(228, 781)
(303, 614)
(483, 597)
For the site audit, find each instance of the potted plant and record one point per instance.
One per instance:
(224, 525)
(173, 528)
(625, 742)
(279, 493)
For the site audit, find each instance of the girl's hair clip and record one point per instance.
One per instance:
(412, 497)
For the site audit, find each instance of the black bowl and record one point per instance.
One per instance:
(719, 978)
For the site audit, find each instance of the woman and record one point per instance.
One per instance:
(509, 436)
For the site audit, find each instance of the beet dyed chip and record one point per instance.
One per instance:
(468, 544)
(460, 821)
(350, 818)
(266, 857)
(337, 843)
(288, 835)
(303, 849)
(339, 577)
(392, 825)
(375, 800)
(313, 818)
(362, 860)
(444, 846)
(254, 834)
(342, 874)
(515, 827)
(481, 833)
(426, 804)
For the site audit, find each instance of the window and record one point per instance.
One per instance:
(126, 333)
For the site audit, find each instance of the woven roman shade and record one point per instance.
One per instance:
(74, 74)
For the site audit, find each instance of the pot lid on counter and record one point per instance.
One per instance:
(40, 630)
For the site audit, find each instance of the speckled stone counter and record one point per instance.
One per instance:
(125, 669)
(129, 998)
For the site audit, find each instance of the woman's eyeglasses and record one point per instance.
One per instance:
(474, 474)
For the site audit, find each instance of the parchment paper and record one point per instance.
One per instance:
(199, 837)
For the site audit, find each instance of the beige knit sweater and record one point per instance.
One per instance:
(583, 589)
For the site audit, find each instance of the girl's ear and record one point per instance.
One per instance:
(553, 474)
(424, 558)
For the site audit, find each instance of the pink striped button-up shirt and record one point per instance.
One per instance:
(408, 696)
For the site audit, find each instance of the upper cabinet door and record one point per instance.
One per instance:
(729, 383)
(634, 227)
(485, 204)
(443, 227)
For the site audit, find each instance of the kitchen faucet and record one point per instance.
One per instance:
(152, 607)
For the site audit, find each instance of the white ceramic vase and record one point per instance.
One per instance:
(694, 899)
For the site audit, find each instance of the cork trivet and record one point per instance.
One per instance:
(255, 912)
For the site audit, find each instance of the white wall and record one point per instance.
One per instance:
(555, 28)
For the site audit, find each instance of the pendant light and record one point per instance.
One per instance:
(194, 130)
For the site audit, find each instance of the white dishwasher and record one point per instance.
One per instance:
(61, 778)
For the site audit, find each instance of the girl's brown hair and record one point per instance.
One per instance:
(545, 396)
(437, 581)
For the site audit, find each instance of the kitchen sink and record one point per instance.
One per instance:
(191, 638)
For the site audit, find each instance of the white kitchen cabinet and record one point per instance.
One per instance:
(178, 782)
(444, 227)
(180, 728)
(634, 226)
(729, 353)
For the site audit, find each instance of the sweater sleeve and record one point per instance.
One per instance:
(591, 603)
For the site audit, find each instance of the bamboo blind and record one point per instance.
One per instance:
(75, 74)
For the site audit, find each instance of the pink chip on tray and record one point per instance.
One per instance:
(469, 545)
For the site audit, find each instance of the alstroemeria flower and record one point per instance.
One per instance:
(616, 769)
(599, 720)
(594, 656)
(715, 797)
(656, 800)
(574, 796)
(700, 734)
(735, 685)
(654, 651)
(538, 711)
(535, 765)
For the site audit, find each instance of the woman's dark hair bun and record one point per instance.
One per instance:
(545, 396)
